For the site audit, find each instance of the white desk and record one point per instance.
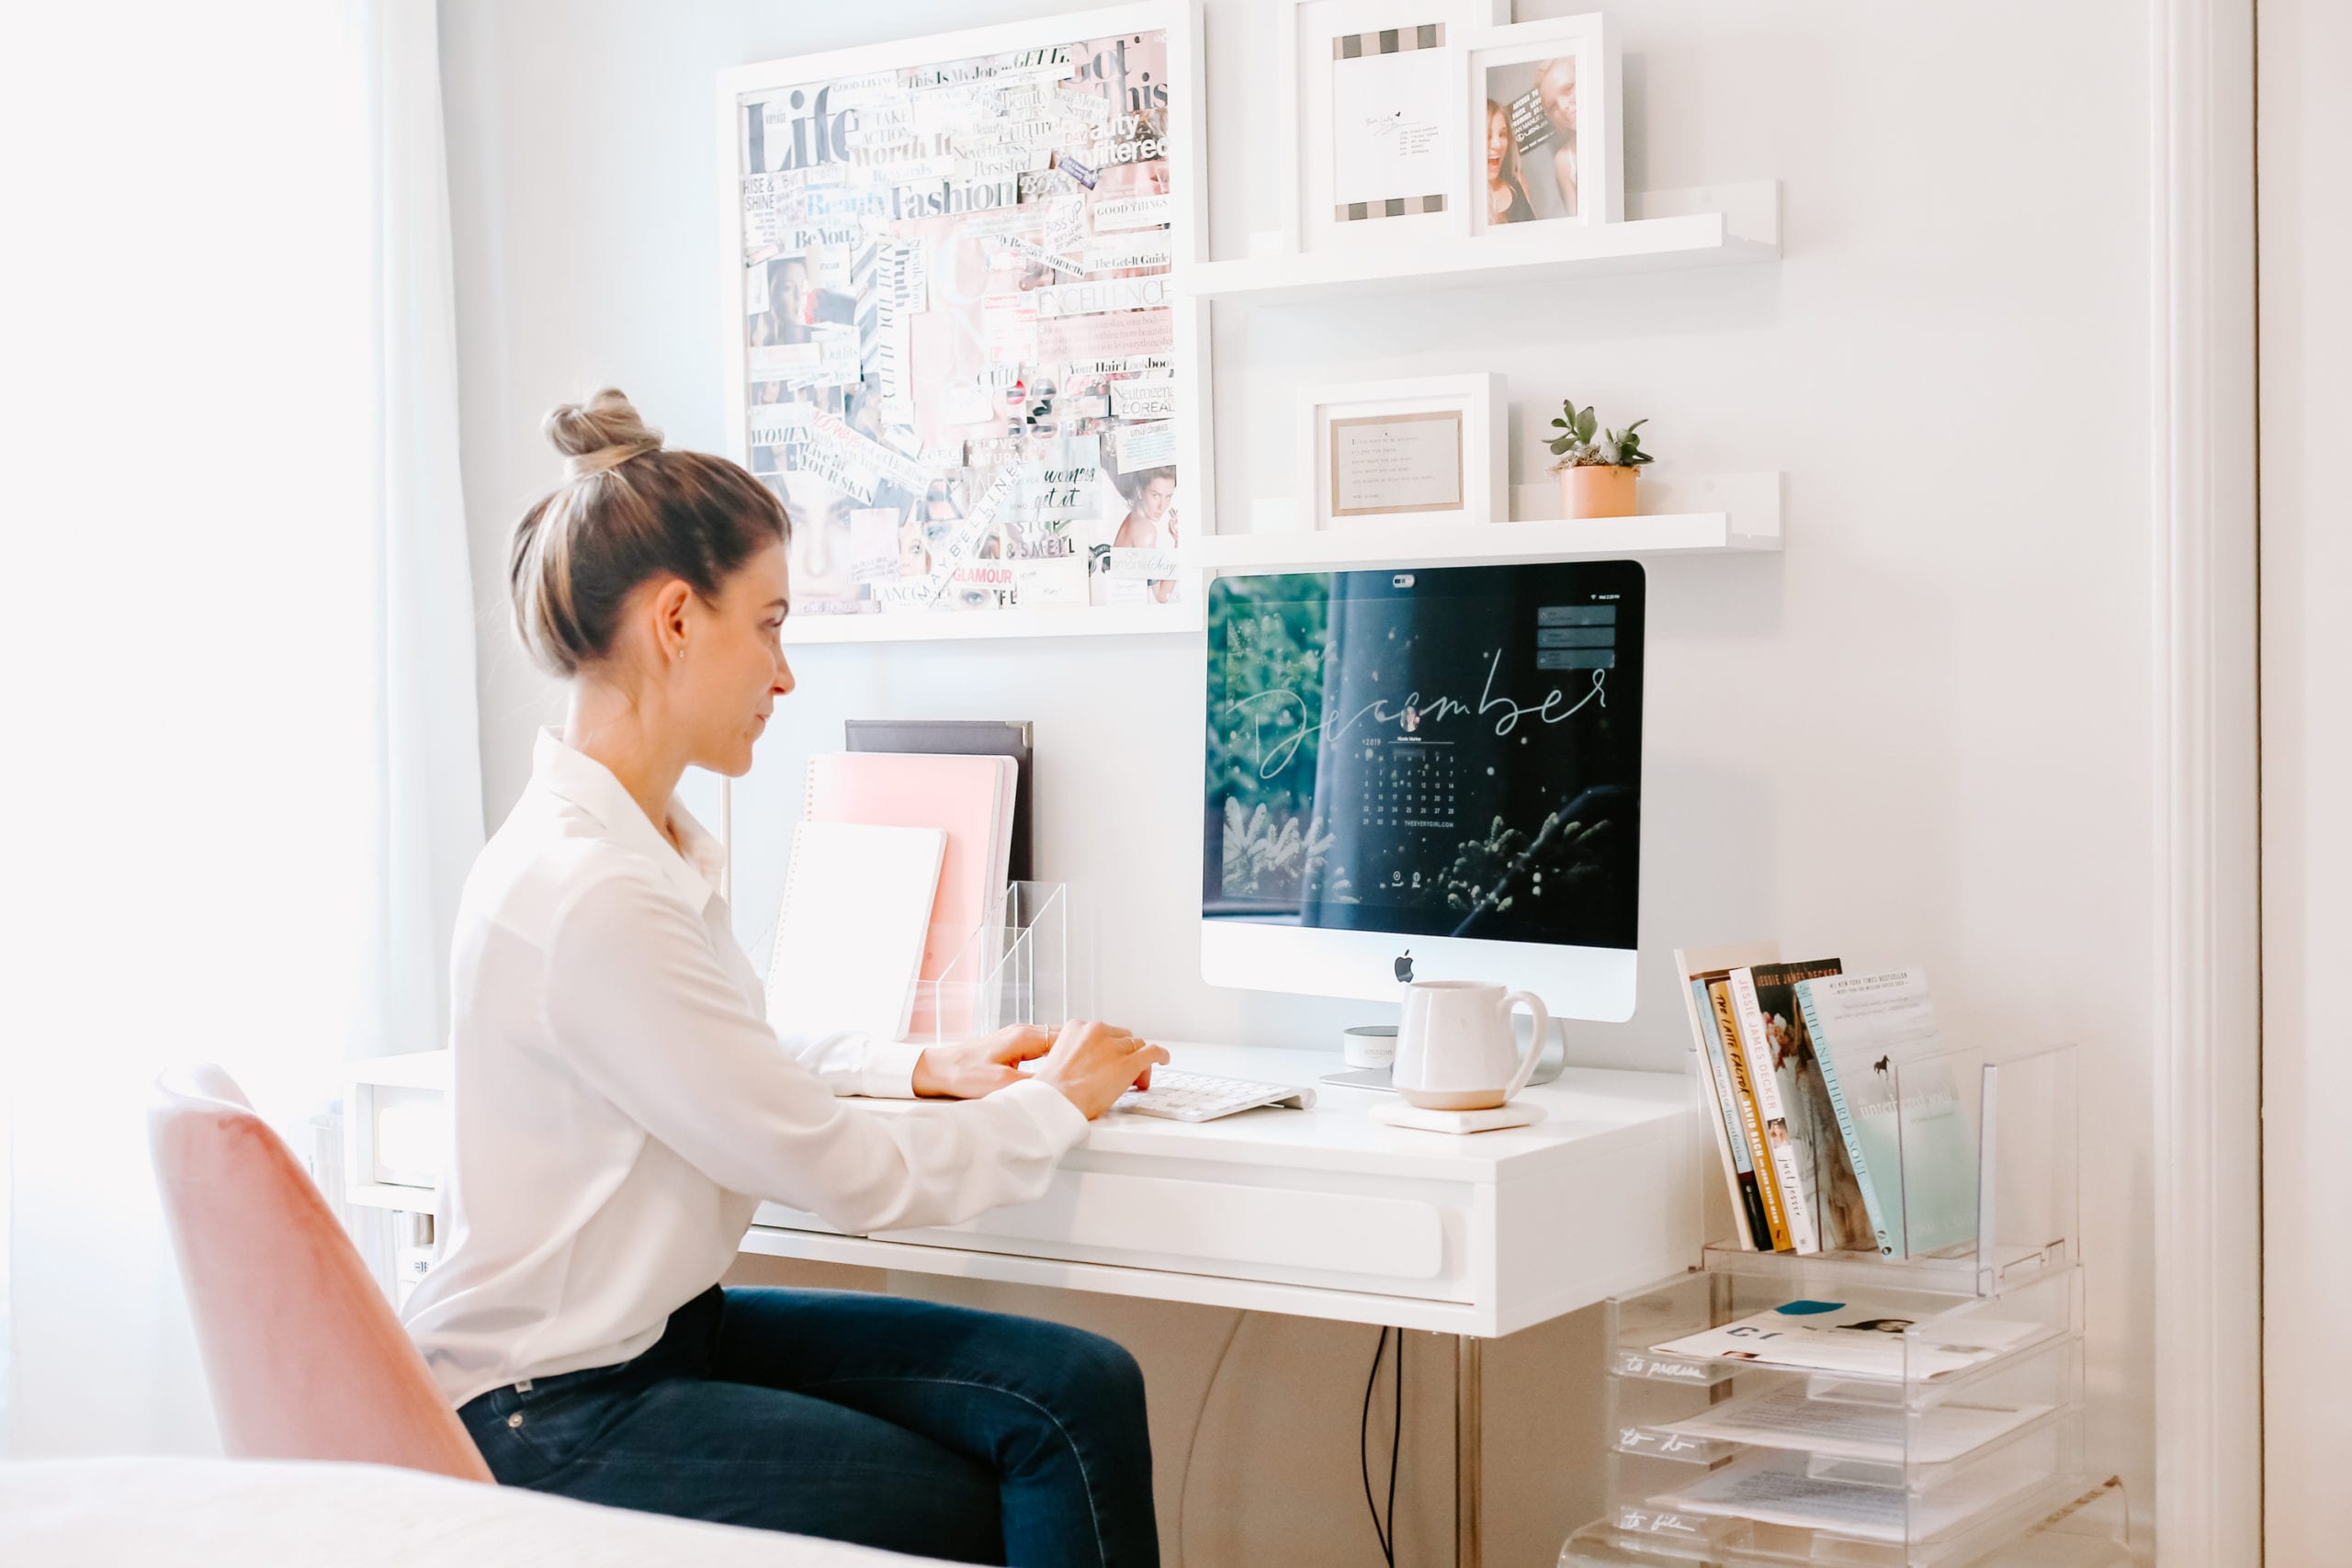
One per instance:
(1317, 1213)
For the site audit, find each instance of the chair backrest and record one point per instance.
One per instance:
(302, 1350)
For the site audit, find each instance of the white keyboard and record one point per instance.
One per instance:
(1200, 1097)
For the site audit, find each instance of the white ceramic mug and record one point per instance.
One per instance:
(1455, 1049)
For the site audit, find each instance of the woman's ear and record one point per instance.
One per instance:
(670, 605)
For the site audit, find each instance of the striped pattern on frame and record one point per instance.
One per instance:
(1389, 40)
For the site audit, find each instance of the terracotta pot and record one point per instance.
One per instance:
(1594, 490)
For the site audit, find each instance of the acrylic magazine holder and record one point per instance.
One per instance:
(1986, 1195)
(1013, 967)
(1960, 1443)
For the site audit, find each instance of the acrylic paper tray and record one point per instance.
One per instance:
(1917, 1516)
(1914, 1445)
(1940, 1480)
(1733, 1286)
(1923, 1470)
(1015, 967)
(2065, 1520)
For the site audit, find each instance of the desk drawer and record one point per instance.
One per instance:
(1404, 1241)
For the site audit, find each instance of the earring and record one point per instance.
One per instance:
(682, 650)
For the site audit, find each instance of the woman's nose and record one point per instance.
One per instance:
(783, 680)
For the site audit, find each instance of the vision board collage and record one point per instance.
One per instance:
(958, 333)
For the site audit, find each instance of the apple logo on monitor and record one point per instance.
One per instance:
(1405, 967)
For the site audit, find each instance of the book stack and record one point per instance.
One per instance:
(1838, 1127)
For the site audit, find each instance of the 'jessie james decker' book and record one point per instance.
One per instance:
(1767, 1181)
(1772, 1069)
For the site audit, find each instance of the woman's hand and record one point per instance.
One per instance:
(970, 1068)
(1093, 1064)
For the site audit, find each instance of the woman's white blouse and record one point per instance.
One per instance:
(622, 1103)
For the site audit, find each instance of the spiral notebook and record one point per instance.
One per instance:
(848, 941)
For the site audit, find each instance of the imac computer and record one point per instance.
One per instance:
(1431, 774)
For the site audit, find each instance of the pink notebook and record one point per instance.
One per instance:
(971, 798)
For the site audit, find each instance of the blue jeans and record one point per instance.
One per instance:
(924, 1428)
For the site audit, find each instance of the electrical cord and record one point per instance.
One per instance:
(1395, 1446)
(1387, 1537)
(1363, 1464)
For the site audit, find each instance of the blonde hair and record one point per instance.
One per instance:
(628, 512)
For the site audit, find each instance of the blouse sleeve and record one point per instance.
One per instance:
(644, 1012)
(847, 1061)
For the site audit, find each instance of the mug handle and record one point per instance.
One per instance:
(1526, 1073)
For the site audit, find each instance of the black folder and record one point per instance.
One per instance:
(960, 737)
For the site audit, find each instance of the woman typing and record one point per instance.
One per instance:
(622, 1105)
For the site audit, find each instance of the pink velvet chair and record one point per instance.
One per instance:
(302, 1350)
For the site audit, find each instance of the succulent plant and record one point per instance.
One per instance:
(1583, 444)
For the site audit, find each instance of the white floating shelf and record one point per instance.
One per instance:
(1361, 546)
(384, 1195)
(1713, 226)
(1748, 521)
(936, 625)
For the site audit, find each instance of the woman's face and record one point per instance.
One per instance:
(791, 296)
(1497, 140)
(1153, 502)
(733, 670)
(1558, 89)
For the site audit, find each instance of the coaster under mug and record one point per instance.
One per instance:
(1396, 1113)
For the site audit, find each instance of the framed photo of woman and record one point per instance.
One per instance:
(1543, 125)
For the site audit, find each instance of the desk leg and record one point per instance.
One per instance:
(1469, 1461)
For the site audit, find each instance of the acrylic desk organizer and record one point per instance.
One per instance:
(1964, 1445)
(1014, 966)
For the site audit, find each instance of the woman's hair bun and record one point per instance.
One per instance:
(607, 419)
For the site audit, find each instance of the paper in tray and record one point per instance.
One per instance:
(1855, 1334)
(1785, 1418)
(1775, 1491)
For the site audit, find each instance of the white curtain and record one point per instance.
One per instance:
(241, 776)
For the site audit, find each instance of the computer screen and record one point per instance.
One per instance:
(1442, 752)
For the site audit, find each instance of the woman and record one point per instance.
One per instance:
(1506, 197)
(622, 1104)
(1555, 89)
(1149, 493)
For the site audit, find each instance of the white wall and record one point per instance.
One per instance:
(1921, 736)
(2305, 136)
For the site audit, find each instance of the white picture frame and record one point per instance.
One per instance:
(1373, 451)
(856, 155)
(1309, 93)
(1519, 71)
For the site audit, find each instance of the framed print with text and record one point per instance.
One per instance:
(1427, 450)
(1544, 128)
(955, 348)
(1372, 139)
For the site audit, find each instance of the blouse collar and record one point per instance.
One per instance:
(575, 776)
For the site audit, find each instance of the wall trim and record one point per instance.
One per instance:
(2207, 1048)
